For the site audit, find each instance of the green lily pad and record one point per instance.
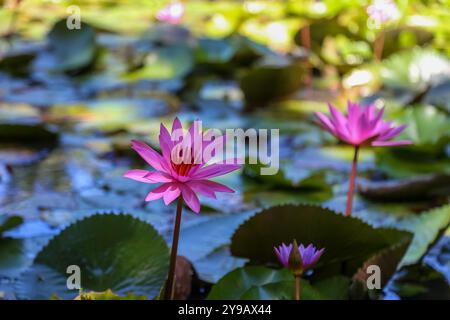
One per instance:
(214, 51)
(278, 76)
(345, 53)
(287, 177)
(427, 228)
(426, 126)
(415, 188)
(17, 64)
(164, 63)
(9, 222)
(397, 163)
(348, 241)
(429, 130)
(12, 256)
(117, 252)
(405, 38)
(414, 69)
(261, 283)
(420, 282)
(74, 49)
(22, 144)
(387, 260)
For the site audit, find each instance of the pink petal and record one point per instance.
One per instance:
(171, 193)
(379, 115)
(325, 122)
(391, 133)
(138, 175)
(198, 187)
(196, 140)
(213, 145)
(176, 125)
(152, 157)
(391, 143)
(339, 122)
(165, 141)
(190, 198)
(147, 176)
(208, 188)
(215, 170)
(158, 192)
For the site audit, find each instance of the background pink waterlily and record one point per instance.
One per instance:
(182, 168)
(362, 126)
(172, 13)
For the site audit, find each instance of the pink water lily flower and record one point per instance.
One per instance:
(179, 173)
(172, 13)
(362, 126)
(183, 169)
(310, 255)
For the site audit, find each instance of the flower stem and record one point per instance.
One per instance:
(378, 47)
(297, 287)
(168, 294)
(351, 186)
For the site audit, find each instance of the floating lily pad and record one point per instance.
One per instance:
(214, 51)
(24, 144)
(74, 49)
(420, 282)
(17, 64)
(9, 222)
(427, 229)
(348, 241)
(269, 80)
(405, 39)
(415, 69)
(415, 188)
(12, 256)
(164, 63)
(387, 260)
(116, 252)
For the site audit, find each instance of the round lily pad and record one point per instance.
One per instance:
(113, 251)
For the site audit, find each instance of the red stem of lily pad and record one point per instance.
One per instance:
(297, 287)
(378, 47)
(351, 188)
(168, 292)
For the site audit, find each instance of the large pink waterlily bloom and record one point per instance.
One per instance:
(172, 13)
(183, 168)
(363, 126)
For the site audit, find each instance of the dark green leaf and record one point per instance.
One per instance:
(116, 252)
(347, 240)
(74, 49)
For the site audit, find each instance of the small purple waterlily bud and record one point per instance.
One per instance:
(298, 259)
